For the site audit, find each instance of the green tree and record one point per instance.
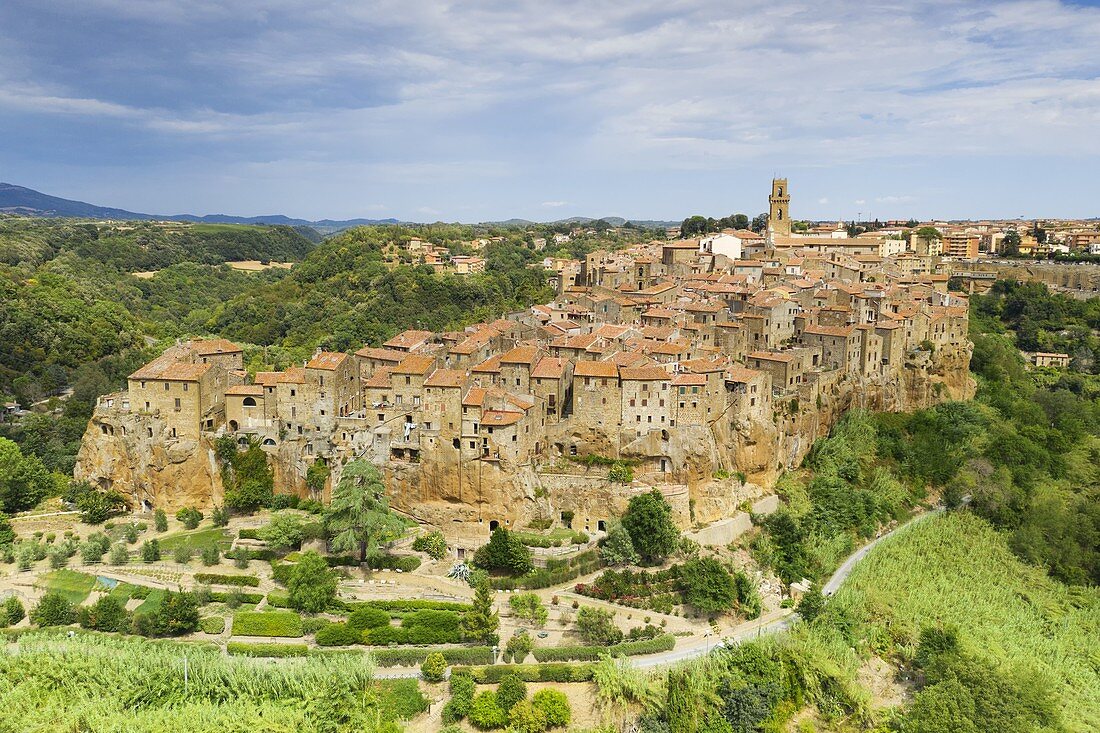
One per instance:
(316, 477)
(24, 479)
(189, 517)
(150, 551)
(597, 627)
(481, 622)
(12, 612)
(53, 610)
(486, 713)
(812, 604)
(681, 704)
(106, 614)
(311, 584)
(284, 531)
(617, 548)
(7, 534)
(160, 520)
(504, 552)
(359, 518)
(707, 585)
(524, 717)
(648, 520)
(219, 516)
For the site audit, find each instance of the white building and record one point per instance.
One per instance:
(723, 243)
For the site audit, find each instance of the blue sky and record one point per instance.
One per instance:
(488, 110)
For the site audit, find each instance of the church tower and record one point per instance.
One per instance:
(779, 209)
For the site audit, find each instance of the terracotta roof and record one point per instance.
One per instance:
(246, 389)
(643, 374)
(695, 380)
(520, 355)
(415, 364)
(595, 369)
(474, 397)
(490, 365)
(742, 374)
(294, 375)
(549, 367)
(499, 418)
(408, 339)
(168, 367)
(380, 379)
(267, 379)
(206, 347)
(835, 331)
(379, 354)
(327, 360)
(446, 378)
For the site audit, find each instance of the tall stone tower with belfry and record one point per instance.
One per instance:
(779, 208)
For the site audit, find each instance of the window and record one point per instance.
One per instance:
(143, 384)
(293, 392)
(632, 403)
(408, 380)
(249, 402)
(185, 386)
(166, 385)
(177, 404)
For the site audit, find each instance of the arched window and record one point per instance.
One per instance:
(779, 215)
(249, 401)
(233, 426)
(269, 442)
(779, 191)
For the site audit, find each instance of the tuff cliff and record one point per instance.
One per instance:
(711, 471)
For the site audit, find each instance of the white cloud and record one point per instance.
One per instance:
(553, 204)
(823, 200)
(859, 202)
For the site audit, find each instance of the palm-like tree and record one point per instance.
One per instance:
(359, 518)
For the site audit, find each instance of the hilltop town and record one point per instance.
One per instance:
(703, 367)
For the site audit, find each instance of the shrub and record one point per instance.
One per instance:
(177, 614)
(58, 558)
(311, 585)
(130, 534)
(707, 585)
(555, 705)
(510, 691)
(462, 698)
(182, 554)
(150, 551)
(408, 657)
(339, 635)
(433, 668)
(528, 606)
(239, 648)
(219, 515)
(189, 517)
(106, 614)
(211, 555)
(526, 718)
(404, 563)
(368, 618)
(160, 520)
(620, 473)
(53, 610)
(91, 551)
(648, 520)
(597, 626)
(283, 532)
(267, 623)
(404, 606)
(119, 555)
(12, 612)
(212, 624)
(505, 552)
(217, 579)
(433, 543)
(485, 712)
(518, 647)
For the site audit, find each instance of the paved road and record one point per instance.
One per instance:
(776, 622)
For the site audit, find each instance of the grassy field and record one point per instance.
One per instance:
(74, 586)
(197, 540)
(955, 570)
(101, 683)
(152, 602)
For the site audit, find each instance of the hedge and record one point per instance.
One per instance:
(267, 650)
(278, 599)
(221, 597)
(267, 623)
(404, 606)
(216, 579)
(491, 674)
(410, 657)
(556, 572)
(248, 534)
(427, 626)
(338, 635)
(662, 643)
(368, 618)
(404, 563)
(212, 624)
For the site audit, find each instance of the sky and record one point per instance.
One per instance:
(477, 111)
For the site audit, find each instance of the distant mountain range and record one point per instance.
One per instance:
(28, 202)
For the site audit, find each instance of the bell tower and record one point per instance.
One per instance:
(779, 208)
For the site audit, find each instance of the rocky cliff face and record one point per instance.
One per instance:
(710, 473)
